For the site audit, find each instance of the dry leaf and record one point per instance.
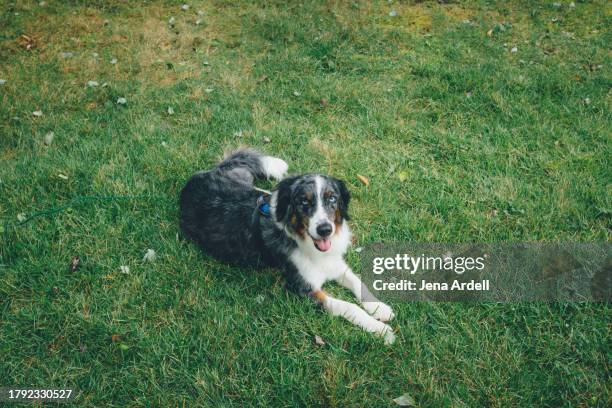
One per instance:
(363, 179)
(91, 105)
(116, 338)
(490, 33)
(149, 256)
(262, 78)
(21, 217)
(75, 263)
(27, 42)
(323, 102)
(37, 114)
(318, 340)
(48, 139)
(405, 401)
(121, 101)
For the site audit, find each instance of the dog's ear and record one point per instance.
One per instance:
(283, 198)
(345, 198)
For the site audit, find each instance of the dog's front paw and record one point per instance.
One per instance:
(379, 311)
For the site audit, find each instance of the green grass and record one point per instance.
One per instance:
(462, 140)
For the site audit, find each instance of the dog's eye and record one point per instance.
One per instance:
(332, 199)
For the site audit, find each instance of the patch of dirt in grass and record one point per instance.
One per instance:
(164, 56)
(409, 17)
(170, 53)
(412, 17)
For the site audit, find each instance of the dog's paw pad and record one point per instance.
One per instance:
(274, 167)
(379, 311)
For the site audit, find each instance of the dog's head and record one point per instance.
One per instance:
(312, 206)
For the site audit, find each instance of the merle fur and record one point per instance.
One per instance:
(218, 211)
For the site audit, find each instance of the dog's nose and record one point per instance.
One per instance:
(324, 230)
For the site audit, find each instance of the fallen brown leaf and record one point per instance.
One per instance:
(27, 42)
(116, 338)
(318, 340)
(363, 179)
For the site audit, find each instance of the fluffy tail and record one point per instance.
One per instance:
(247, 164)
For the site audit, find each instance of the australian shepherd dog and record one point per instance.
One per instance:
(301, 227)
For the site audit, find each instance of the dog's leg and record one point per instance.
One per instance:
(274, 167)
(355, 315)
(376, 308)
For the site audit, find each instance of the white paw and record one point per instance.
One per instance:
(274, 167)
(379, 311)
(388, 335)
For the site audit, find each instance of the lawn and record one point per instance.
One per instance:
(485, 121)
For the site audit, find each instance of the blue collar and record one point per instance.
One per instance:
(263, 205)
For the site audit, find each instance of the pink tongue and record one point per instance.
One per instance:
(322, 244)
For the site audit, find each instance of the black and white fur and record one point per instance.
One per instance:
(306, 234)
